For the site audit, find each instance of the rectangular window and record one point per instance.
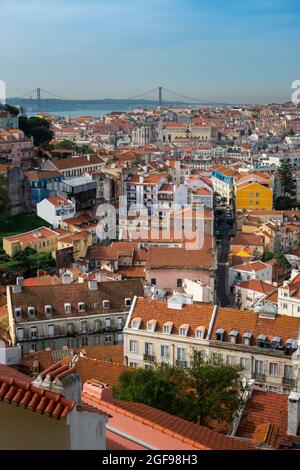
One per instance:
(50, 331)
(149, 349)
(33, 332)
(20, 334)
(107, 324)
(230, 360)
(273, 368)
(133, 346)
(165, 351)
(181, 354)
(153, 281)
(179, 282)
(288, 372)
(133, 364)
(259, 367)
(84, 327)
(244, 363)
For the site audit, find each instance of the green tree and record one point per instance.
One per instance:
(280, 258)
(205, 391)
(218, 389)
(286, 176)
(4, 198)
(38, 128)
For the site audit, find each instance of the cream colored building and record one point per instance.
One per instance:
(263, 344)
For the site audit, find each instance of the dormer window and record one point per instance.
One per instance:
(18, 313)
(200, 332)
(81, 307)
(247, 339)
(233, 336)
(31, 311)
(261, 339)
(275, 343)
(220, 334)
(48, 310)
(151, 325)
(68, 308)
(136, 323)
(183, 330)
(127, 302)
(167, 329)
(106, 304)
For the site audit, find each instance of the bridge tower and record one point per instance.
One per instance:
(159, 96)
(38, 99)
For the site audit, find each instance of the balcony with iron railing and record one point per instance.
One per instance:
(289, 381)
(181, 363)
(149, 358)
(258, 376)
(70, 334)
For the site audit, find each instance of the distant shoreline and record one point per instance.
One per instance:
(97, 107)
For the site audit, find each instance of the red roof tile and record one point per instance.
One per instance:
(22, 393)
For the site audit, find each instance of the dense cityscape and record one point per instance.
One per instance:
(150, 276)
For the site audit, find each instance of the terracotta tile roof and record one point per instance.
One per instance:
(100, 360)
(12, 373)
(267, 434)
(258, 286)
(245, 321)
(252, 266)
(132, 271)
(58, 201)
(41, 281)
(195, 315)
(42, 174)
(264, 407)
(20, 392)
(57, 295)
(77, 162)
(192, 434)
(247, 239)
(161, 257)
(39, 234)
(106, 372)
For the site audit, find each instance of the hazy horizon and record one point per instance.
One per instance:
(233, 52)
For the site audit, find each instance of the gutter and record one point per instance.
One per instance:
(130, 438)
(212, 322)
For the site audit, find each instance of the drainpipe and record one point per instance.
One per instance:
(212, 322)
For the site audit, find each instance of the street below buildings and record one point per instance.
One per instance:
(223, 248)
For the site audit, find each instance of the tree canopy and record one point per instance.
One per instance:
(25, 263)
(205, 391)
(38, 128)
(286, 176)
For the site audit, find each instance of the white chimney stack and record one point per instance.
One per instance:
(293, 413)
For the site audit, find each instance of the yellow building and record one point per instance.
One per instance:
(79, 241)
(254, 195)
(42, 239)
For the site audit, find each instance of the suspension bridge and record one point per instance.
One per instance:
(158, 95)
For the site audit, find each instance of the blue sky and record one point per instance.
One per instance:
(233, 50)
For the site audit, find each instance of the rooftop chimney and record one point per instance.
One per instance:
(293, 413)
(97, 390)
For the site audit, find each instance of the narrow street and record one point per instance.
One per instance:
(222, 271)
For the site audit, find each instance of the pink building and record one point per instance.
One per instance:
(135, 426)
(15, 147)
(167, 268)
